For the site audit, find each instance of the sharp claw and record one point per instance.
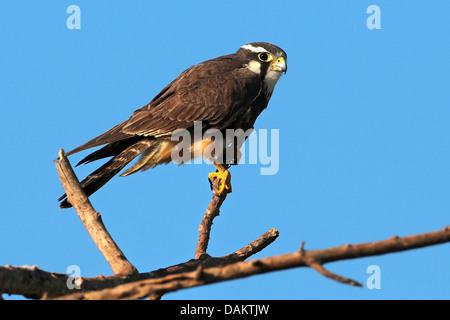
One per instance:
(225, 183)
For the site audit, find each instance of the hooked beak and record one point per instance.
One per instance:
(279, 64)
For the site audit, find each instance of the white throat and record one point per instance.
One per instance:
(271, 79)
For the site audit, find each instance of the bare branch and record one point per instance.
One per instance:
(319, 268)
(91, 219)
(212, 211)
(313, 258)
(126, 283)
(32, 282)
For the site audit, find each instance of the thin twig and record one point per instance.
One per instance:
(319, 268)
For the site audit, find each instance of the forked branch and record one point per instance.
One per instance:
(302, 258)
(127, 283)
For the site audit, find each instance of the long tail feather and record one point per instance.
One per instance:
(102, 175)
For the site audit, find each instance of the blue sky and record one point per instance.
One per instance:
(363, 118)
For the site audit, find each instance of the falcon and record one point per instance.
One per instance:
(228, 92)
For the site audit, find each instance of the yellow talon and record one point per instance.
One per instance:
(225, 183)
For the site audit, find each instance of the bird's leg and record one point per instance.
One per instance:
(225, 178)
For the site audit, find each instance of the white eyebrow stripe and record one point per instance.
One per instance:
(254, 49)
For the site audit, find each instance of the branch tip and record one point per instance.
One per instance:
(61, 154)
(302, 247)
(325, 272)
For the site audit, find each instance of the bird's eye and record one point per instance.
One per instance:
(263, 56)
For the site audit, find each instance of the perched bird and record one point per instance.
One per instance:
(228, 92)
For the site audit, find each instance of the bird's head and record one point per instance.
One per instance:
(265, 59)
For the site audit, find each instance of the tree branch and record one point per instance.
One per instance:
(126, 283)
(212, 211)
(302, 258)
(32, 282)
(91, 219)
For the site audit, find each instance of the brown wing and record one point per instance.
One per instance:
(112, 135)
(216, 92)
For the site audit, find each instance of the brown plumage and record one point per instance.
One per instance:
(226, 92)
